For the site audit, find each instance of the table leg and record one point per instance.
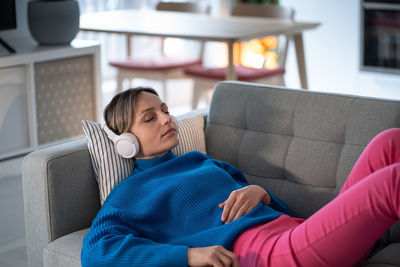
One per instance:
(301, 63)
(128, 45)
(230, 70)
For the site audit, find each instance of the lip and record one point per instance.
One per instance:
(170, 130)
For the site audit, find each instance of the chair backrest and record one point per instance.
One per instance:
(191, 7)
(257, 10)
(267, 11)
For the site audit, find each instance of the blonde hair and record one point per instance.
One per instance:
(119, 113)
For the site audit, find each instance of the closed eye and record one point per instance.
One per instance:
(164, 108)
(150, 119)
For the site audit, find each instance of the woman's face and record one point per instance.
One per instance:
(153, 126)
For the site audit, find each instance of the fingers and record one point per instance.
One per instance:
(237, 210)
(216, 256)
(242, 201)
(232, 256)
(229, 258)
(267, 199)
(242, 211)
(228, 205)
(224, 260)
(235, 206)
(224, 257)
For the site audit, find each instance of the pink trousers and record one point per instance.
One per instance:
(344, 230)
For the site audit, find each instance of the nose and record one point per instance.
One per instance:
(166, 118)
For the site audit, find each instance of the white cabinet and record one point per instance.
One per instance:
(14, 126)
(45, 92)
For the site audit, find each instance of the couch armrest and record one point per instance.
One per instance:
(60, 195)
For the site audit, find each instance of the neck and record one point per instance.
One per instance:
(152, 156)
(143, 164)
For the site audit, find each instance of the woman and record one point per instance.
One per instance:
(193, 210)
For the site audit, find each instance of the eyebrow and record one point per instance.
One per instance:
(151, 108)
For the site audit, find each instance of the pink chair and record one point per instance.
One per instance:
(159, 68)
(205, 78)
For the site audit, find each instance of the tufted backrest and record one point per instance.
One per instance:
(299, 144)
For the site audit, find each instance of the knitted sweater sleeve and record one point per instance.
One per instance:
(111, 242)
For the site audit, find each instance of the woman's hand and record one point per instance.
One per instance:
(242, 201)
(216, 256)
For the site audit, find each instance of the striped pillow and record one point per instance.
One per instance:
(190, 135)
(110, 168)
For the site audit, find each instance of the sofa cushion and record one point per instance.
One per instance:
(155, 64)
(388, 256)
(110, 168)
(65, 251)
(300, 144)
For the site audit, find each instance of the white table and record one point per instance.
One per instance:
(228, 29)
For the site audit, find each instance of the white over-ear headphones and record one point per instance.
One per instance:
(126, 144)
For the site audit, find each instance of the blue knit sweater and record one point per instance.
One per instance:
(165, 206)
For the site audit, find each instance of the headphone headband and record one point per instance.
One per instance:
(110, 134)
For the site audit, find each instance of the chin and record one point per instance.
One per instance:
(170, 143)
(175, 143)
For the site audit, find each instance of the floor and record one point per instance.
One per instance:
(14, 258)
(13, 249)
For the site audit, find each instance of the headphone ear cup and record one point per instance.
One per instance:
(127, 145)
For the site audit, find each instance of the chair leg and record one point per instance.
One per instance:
(164, 90)
(120, 81)
(274, 80)
(281, 80)
(209, 96)
(196, 93)
(130, 82)
(201, 89)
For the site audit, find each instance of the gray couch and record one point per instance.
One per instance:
(299, 144)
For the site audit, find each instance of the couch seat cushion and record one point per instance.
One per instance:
(388, 256)
(65, 251)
